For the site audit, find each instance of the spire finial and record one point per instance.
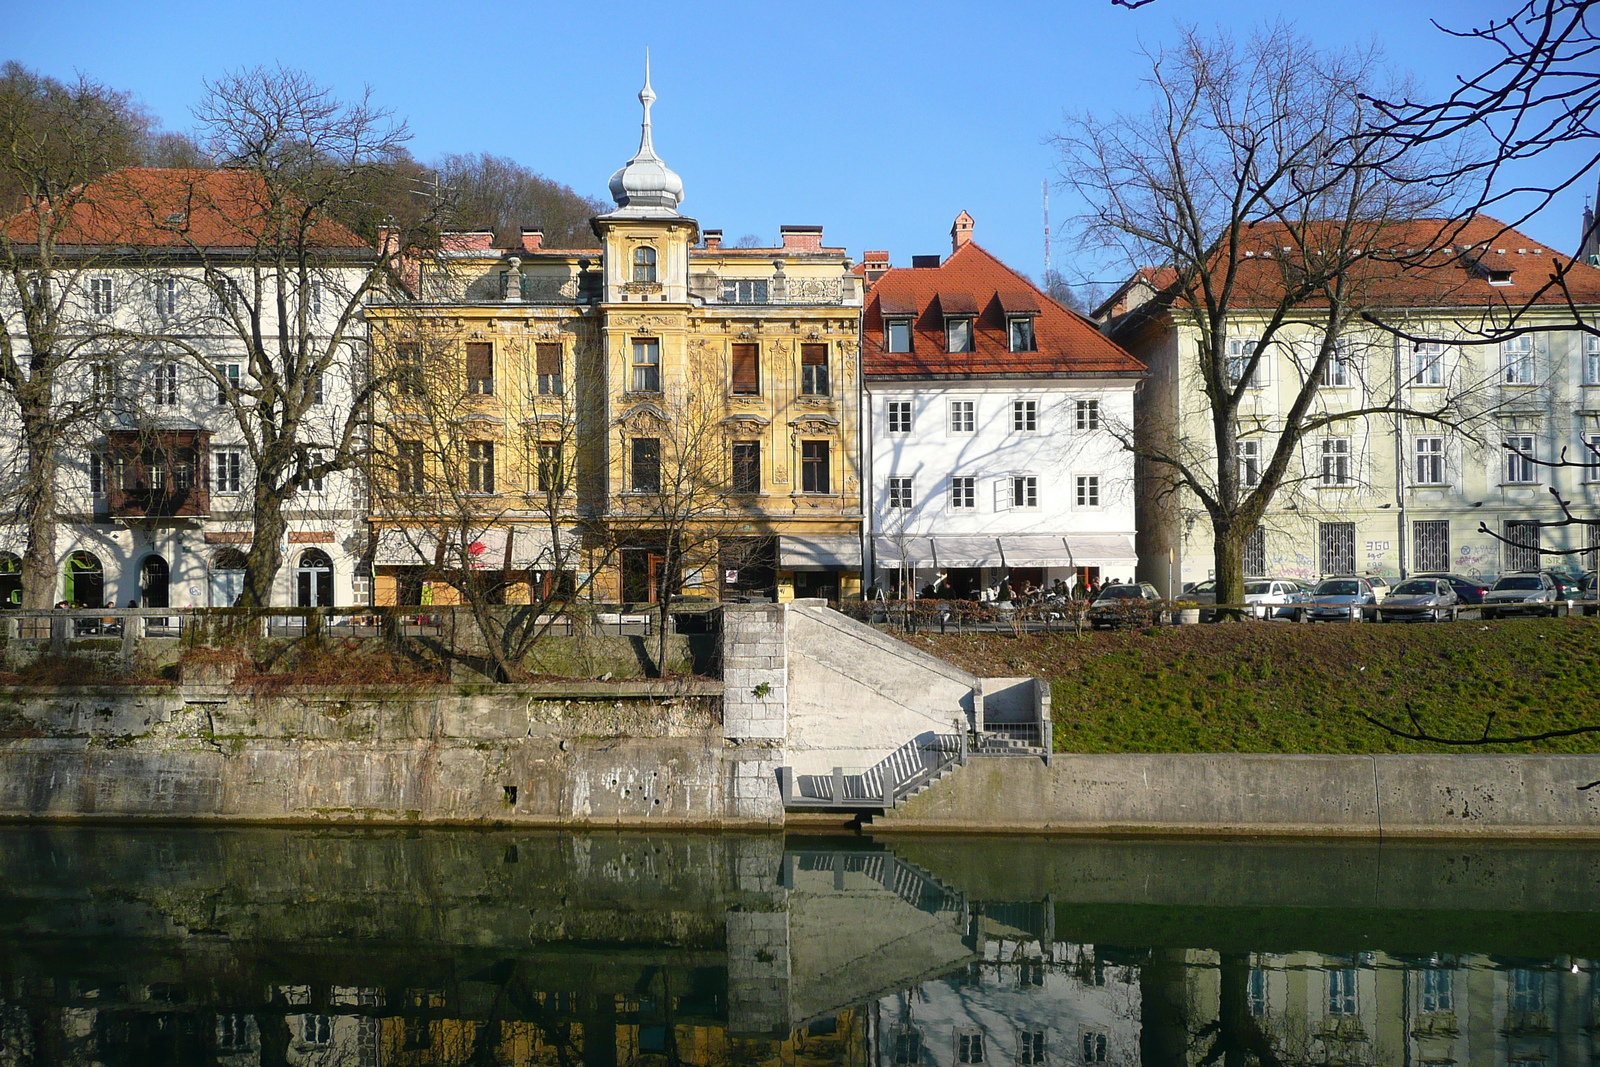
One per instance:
(647, 96)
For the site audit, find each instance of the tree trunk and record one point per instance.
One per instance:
(39, 578)
(266, 547)
(1227, 542)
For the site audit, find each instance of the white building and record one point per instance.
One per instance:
(155, 480)
(994, 431)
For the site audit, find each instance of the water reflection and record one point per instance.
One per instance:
(275, 947)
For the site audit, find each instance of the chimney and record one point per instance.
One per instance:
(801, 238)
(532, 239)
(874, 265)
(961, 232)
(713, 239)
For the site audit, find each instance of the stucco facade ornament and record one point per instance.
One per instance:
(813, 425)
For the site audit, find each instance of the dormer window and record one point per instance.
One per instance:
(958, 334)
(745, 291)
(1498, 277)
(644, 264)
(1019, 328)
(897, 335)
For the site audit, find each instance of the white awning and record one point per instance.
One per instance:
(531, 548)
(1006, 550)
(828, 552)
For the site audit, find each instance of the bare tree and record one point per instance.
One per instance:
(495, 193)
(283, 277)
(1260, 191)
(56, 139)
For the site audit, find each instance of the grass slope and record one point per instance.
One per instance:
(1278, 687)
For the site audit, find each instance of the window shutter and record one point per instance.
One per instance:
(813, 355)
(1002, 494)
(746, 369)
(480, 359)
(547, 358)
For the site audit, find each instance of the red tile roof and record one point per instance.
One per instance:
(152, 207)
(1067, 343)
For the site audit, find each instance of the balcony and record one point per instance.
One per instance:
(158, 474)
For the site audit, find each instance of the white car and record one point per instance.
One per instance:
(1274, 598)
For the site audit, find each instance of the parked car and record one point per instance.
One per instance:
(1568, 586)
(1420, 598)
(1204, 594)
(1380, 586)
(1333, 598)
(1135, 602)
(1274, 598)
(1527, 593)
(1468, 590)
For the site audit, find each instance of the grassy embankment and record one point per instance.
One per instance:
(1277, 687)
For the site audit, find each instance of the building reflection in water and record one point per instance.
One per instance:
(267, 948)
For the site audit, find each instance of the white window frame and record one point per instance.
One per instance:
(1589, 456)
(1025, 415)
(1516, 360)
(1336, 373)
(1520, 469)
(1237, 357)
(230, 372)
(1437, 991)
(890, 325)
(1086, 490)
(963, 492)
(227, 470)
(1428, 460)
(1248, 452)
(901, 416)
(102, 295)
(1086, 414)
(1427, 364)
(744, 291)
(900, 493)
(1336, 466)
(1591, 359)
(1017, 325)
(480, 467)
(98, 469)
(1343, 992)
(954, 323)
(962, 418)
(164, 379)
(164, 292)
(1019, 492)
(314, 485)
(970, 1047)
(102, 381)
(1033, 1048)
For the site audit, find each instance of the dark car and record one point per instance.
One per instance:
(1136, 602)
(1468, 590)
(1568, 586)
(1204, 594)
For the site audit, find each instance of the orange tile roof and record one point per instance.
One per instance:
(1067, 343)
(154, 207)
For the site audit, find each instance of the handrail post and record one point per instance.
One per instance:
(888, 789)
(838, 785)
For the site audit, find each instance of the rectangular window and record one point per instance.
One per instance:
(964, 493)
(229, 386)
(1591, 359)
(1024, 416)
(1438, 994)
(746, 370)
(1021, 334)
(899, 493)
(1516, 360)
(1087, 414)
(1236, 360)
(1088, 490)
(480, 466)
(164, 291)
(646, 465)
(813, 370)
(1527, 990)
(815, 469)
(1430, 460)
(1094, 1046)
(958, 335)
(316, 388)
(1336, 373)
(547, 365)
(314, 483)
(102, 381)
(164, 385)
(97, 473)
(963, 416)
(1023, 490)
(408, 467)
(752, 291)
(549, 470)
(1589, 456)
(969, 1048)
(1336, 461)
(1255, 553)
(408, 369)
(1430, 546)
(899, 416)
(747, 466)
(897, 335)
(1030, 1048)
(316, 1029)
(480, 368)
(1249, 453)
(646, 365)
(102, 296)
(1519, 459)
(1336, 547)
(1256, 990)
(316, 299)
(1522, 546)
(227, 463)
(1428, 363)
(908, 1048)
(1342, 991)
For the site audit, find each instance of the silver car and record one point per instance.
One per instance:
(1274, 598)
(1527, 593)
(1333, 599)
(1420, 598)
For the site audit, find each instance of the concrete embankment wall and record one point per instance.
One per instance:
(1401, 796)
(623, 755)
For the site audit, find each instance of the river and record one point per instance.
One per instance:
(247, 946)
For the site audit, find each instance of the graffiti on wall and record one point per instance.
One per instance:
(1474, 561)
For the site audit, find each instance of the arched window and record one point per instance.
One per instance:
(153, 582)
(85, 581)
(227, 577)
(644, 264)
(313, 580)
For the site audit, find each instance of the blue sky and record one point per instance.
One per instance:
(879, 120)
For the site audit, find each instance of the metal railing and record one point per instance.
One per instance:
(883, 785)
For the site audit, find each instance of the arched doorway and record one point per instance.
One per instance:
(10, 581)
(85, 581)
(153, 582)
(227, 578)
(313, 580)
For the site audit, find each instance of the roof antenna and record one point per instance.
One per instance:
(1046, 285)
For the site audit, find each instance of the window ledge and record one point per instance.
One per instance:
(1520, 485)
(1429, 485)
(1342, 485)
